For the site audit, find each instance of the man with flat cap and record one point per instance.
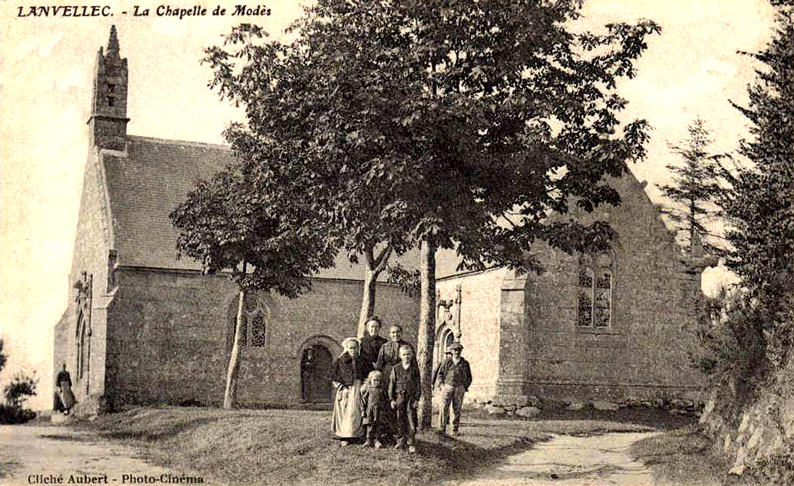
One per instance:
(453, 380)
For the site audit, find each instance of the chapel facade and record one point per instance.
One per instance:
(144, 327)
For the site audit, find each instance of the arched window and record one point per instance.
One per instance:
(256, 316)
(80, 345)
(596, 281)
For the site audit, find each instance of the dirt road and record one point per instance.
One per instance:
(43, 454)
(572, 461)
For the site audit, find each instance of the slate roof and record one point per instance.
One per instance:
(146, 185)
(155, 176)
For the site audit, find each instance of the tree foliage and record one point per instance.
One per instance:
(696, 190)
(227, 226)
(440, 124)
(19, 389)
(401, 120)
(224, 225)
(760, 207)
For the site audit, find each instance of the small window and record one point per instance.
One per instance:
(595, 291)
(111, 101)
(111, 88)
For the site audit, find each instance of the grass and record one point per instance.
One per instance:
(295, 446)
(686, 457)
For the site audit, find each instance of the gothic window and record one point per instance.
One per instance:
(595, 290)
(80, 345)
(256, 315)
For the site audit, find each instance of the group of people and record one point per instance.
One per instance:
(377, 389)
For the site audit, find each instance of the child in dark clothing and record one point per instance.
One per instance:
(404, 390)
(374, 408)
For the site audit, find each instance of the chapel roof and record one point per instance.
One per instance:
(155, 175)
(152, 179)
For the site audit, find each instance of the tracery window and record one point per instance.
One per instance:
(256, 316)
(596, 282)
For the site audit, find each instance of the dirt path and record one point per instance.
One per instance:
(572, 461)
(35, 454)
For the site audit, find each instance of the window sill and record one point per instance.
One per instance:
(597, 330)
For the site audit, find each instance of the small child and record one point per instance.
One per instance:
(374, 408)
(404, 390)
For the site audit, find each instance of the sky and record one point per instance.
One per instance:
(46, 69)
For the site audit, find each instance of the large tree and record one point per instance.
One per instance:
(440, 124)
(761, 206)
(226, 226)
(696, 189)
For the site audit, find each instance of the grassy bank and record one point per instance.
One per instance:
(686, 457)
(295, 447)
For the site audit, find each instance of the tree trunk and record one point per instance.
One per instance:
(368, 302)
(427, 331)
(375, 265)
(230, 396)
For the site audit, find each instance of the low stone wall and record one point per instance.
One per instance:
(530, 406)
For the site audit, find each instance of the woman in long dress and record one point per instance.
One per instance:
(350, 372)
(63, 385)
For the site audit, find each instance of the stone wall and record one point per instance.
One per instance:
(644, 352)
(762, 432)
(92, 249)
(168, 340)
(480, 312)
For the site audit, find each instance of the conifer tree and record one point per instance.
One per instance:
(761, 206)
(696, 190)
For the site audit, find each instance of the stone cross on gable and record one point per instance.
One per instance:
(449, 312)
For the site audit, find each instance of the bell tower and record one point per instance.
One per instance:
(107, 124)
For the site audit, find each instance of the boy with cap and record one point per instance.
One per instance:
(453, 379)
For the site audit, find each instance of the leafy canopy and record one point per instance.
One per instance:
(226, 226)
(464, 122)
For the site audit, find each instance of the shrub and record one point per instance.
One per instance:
(10, 414)
(20, 388)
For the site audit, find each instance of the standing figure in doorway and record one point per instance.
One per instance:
(308, 367)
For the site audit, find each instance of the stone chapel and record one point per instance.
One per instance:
(143, 327)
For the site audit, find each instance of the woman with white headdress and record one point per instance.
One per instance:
(350, 372)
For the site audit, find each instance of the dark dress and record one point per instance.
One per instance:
(63, 384)
(376, 405)
(347, 376)
(370, 347)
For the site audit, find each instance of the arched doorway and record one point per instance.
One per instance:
(444, 339)
(316, 364)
